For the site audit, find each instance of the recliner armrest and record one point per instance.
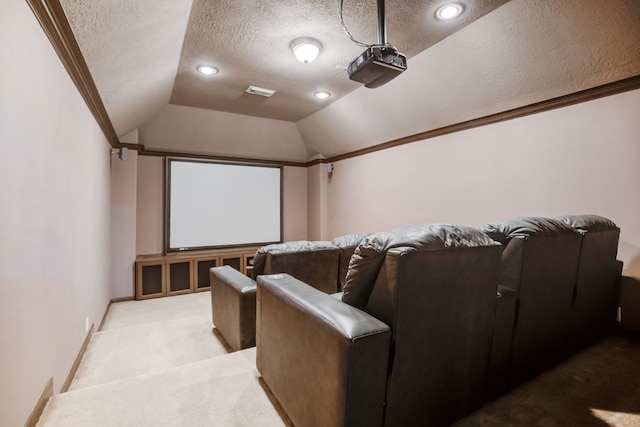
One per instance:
(324, 360)
(233, 306)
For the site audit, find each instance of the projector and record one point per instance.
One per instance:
(376, 66)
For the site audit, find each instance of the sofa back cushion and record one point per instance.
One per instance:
(347, 245)
(315, 263)
(596, 295)
(439, 300)
(369, 255)
(589, 223)
(539, 262)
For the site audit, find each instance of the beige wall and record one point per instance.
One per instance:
(150, 209)
(124, 175)
(317, 180)
(513, 56)
(579, 159)
(294, 215)
(150, 205)
(54, 238)
(196, 130)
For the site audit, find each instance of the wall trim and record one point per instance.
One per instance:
(76, 363)
(38, 409)
(229, 159)
(591, 94)
(106, 311)
(608, 89)
(53, 21)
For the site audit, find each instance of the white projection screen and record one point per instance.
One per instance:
(211, 205)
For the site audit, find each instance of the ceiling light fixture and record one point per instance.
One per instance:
(322, 94)
(306, 49)
(449, 11)
(207, 70)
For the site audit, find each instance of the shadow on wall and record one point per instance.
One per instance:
(630, 255)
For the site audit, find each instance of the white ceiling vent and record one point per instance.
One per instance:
(255, 90)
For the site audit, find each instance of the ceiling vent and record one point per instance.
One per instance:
(255, 90)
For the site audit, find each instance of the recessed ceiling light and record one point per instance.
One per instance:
(322, 94)
(206, 69)
(449, 11)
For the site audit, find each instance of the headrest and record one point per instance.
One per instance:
(260, 257)
(589, 222)
(369, 255)
(349, 240)
(503, 231)
(295, 246)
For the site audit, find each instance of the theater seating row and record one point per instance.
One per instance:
(431, 321)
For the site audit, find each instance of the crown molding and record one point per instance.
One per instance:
(226, 159)
(53, 21)
(608, 89)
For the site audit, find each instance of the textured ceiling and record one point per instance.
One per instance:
(142, 54)
(499, 55)
(132, 49)
(248, 41)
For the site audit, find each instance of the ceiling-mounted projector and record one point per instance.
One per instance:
(376, 66)
(381, 62)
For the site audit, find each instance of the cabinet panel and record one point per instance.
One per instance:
(248, 265)
(234, 261)
(202, 266)
(179, 277)
(172, 274)
(150, 279)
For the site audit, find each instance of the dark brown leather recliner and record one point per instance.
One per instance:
(540, 263)
(597, 288)
(318, 263)
(314, 262)
(415, 353)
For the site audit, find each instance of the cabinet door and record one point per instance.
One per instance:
(234, 261)
(150, 279)
(201, 272)
(179, 276)
(248, 265)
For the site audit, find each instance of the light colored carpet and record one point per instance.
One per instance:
(137, 350)
(132, 313)
(159, 363)
(223, 391)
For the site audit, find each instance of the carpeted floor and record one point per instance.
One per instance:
(599, 386)
(159, 363)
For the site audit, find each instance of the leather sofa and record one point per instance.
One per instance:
(565, 278)
(320, 264)
(539, 262)
(393, 348)
(407, 345)
(597, 288)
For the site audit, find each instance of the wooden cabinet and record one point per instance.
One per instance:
(180, 273)
(201, 271)
(150, 280)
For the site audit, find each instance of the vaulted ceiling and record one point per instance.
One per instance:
(498, 55)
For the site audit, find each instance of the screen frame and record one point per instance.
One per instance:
(167, 203)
